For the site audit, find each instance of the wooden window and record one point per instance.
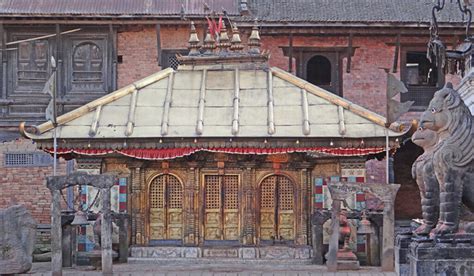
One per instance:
(421, 77)
(168, 58)
(87, 65)
(28, 65)
(321, 66)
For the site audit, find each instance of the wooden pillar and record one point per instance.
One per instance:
(3, 63)
(397, 53)
(334, 239)
(158, 43)
(106, 233)
(249, 206)
(56, 232)
(188, 204)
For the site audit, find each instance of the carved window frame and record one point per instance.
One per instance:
(421, 101)
(15, 89)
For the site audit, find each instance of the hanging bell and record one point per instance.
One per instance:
(80, 218)
(365, 225)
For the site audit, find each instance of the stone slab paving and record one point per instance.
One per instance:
(44, 269)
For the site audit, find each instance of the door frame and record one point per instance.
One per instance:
(148, 203)
(202, 202)
(258, 203)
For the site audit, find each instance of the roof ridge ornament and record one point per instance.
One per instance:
(209, 43)
(193, 41)
(236, 42)
(254, 40)
(224, 42)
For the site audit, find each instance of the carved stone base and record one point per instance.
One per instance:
(442, 256)
(402, 243)
(232, 253)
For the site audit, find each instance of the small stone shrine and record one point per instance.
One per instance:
(56, 184)
(17, 240)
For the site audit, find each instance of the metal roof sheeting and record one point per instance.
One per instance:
(115, 7)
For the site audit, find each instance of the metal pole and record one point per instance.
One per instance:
(387, 157)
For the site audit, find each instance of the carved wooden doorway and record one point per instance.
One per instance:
(166, 208)
(277, 200)
(221, 213)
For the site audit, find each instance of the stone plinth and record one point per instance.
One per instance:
(442, 257)
(402, 244)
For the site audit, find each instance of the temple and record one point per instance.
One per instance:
(223, 151)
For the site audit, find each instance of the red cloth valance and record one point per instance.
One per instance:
(163, 154)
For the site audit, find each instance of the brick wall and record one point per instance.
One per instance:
(26, 185)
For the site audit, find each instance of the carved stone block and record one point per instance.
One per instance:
(17, 239)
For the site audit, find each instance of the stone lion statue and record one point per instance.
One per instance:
(453, 155)
(423, 171)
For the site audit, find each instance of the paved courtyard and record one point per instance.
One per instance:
(209, 269)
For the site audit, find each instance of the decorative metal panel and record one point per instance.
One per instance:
(166, 196)
(277, 208)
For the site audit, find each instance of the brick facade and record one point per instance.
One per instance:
(26, 185)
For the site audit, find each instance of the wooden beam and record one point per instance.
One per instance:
(158, 43)
(342, 123)
(113, 56)
(397, 54)
(290, 54)
(349, 53)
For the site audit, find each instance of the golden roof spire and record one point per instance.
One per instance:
(254, 40)
(224, 43)
(209, 43)
(193, 41)
(236, 41)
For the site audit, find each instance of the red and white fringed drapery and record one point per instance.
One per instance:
(163, 154)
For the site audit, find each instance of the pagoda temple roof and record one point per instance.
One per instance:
(224, 100)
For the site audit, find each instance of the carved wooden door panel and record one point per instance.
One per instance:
(221, 218)
(166, 212)
(277, 208)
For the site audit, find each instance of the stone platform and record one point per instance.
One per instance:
(264, 255)
(449, 255)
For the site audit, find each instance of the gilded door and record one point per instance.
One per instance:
(277, 208)
(221, 214)
(166, 211)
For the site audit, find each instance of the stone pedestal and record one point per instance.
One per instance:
(402, 244)
(446, 256)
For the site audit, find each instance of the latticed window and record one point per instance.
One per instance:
(28, 159)
(168, 58)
